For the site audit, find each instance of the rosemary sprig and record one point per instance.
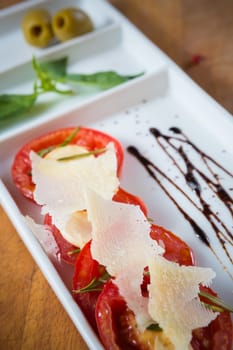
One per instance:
(70, 137)
(75, 251)
(94, 285)
(220, 305)
(67, 140)
(45, 151)
(150, 219)
(82, 155)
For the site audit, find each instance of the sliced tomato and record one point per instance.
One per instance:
(126, 197)
(118, 331)
(67, 250)
(109, 308)
(116, 323)
(218, 335)
(175, 248)
(87, 269)
(89, 138)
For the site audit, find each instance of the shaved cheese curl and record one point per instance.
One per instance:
(60, 187)
(121, 242)
(174, 302)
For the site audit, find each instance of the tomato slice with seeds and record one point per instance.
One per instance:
(109, 307)
(117, 327)
(116, 323)
(113, 305)
(218, 335)
(89, 138)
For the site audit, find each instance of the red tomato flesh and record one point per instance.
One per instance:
(86, 269)
(176, 249)
(126, 197)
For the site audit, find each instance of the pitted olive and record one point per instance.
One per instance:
(71, 22)
(37, 29)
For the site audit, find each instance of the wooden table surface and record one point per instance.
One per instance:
(198, 36)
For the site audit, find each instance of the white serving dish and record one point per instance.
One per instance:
(164, 97)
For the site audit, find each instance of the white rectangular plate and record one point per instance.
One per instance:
(112, 48)
(163, 98)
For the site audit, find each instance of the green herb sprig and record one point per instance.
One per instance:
(219, 304)
(82, 155)
(67, 140)
(73, 252)
(94, 285)
(52, 77)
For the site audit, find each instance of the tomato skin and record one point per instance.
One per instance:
(116, 323)
(109, 306)
(176, 249)
(64, 246)
(218, 335)
(89, 138)
(86, 269)
(126, 197)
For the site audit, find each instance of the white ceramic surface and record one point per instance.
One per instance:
(164, 97)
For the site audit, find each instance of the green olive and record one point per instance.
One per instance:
(37, 29)
(71, 22)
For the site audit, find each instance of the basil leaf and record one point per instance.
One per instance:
(47, 80)
(56, 68)
(102, 80)
(11, 105)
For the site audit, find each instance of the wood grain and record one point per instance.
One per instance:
(183, 28)
(31, 317)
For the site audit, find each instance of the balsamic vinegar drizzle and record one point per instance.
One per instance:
(173, 146)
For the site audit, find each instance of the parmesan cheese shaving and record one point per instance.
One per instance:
(174, 301)
(44, 236)
(60, 186)
(121, 242)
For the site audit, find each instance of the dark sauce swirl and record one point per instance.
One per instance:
(174, 145)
